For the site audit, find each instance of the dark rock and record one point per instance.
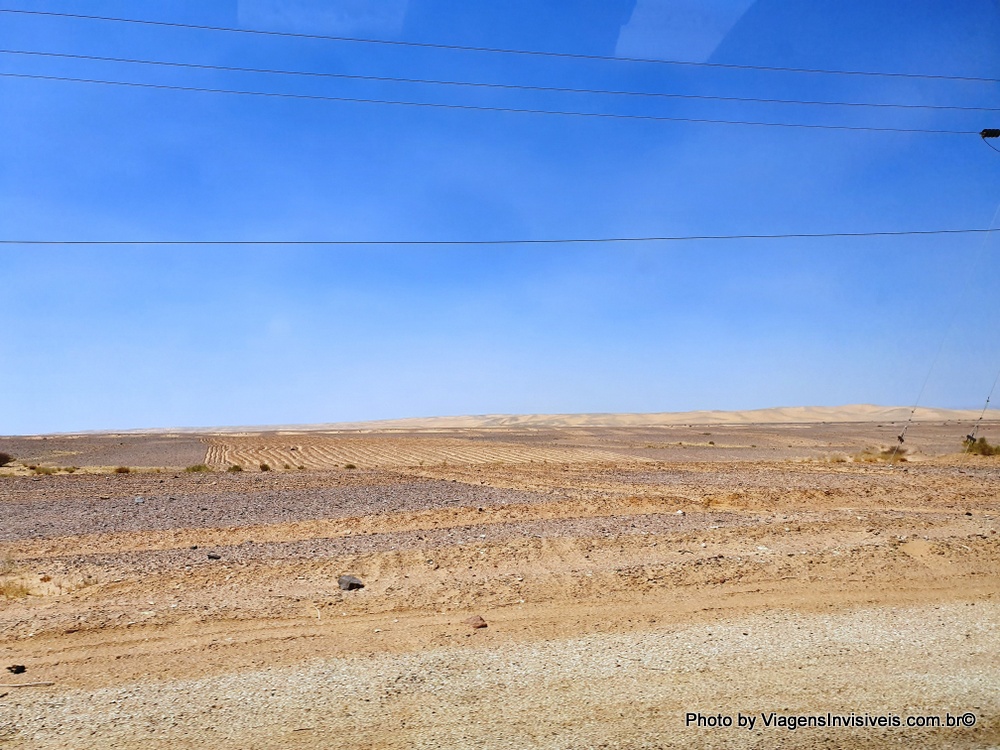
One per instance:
(350, 583)
(17, 668)
(214, 556)
(476, 622)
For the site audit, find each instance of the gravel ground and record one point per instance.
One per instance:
(931, 661)
(63, 506)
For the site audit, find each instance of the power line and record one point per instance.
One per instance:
(500, 50)
(481, 84)
(559, 241)
(478, 108)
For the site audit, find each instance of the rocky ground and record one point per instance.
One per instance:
(629, 578)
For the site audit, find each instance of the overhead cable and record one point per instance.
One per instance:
(554, 241)
(498, 50)
(478, 108)
(482, 84)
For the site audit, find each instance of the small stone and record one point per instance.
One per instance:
(214, 556)
(17, 668)
(138, 500)
(350, 583)
(679, 513)
(476, 622)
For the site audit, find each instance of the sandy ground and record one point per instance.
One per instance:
(642, 586)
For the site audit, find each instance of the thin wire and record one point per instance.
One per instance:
(500, 50)
(991, 145)
(972, 435)
(480, 84)
(944, 339)
(477, 108)
(560, 241)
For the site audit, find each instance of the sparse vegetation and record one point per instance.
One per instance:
(981, 447)
(878, 455)
(5, 458)
(234, 468)
(197, 469)
(71, 469)
(7, 566)
(303, 468)
(265, 467)
(287, 466)
(13, 590)
(350, 466)
(122, 470)
(44, 471)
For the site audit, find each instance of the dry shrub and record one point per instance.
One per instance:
(122, 470)
(981, 447)
(880, 455)
(197, 469)
(13, 590)
(5, 458)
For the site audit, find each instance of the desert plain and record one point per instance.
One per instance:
(644, 580)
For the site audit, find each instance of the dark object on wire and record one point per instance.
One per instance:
(990, 133)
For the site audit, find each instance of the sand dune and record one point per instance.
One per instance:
(778, 415)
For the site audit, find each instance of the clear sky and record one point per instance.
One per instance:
(99, 337)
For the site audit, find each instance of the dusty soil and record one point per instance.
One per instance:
(629, 577)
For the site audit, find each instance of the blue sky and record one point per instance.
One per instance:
(101, 337)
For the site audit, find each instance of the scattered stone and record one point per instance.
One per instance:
(194, 546)
(350, 583)
(214, 556)
(138, 500)
(476, 622)
(17, 669)
(679, 513)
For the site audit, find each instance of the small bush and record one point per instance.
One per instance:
(877, 455)
(122, 470)
(288, 466)
(7, 566)
(71, 469)
(13, 589)
(981, 447)
(265, 467)
(197, 469)
(5, 458)
(350, 466)
(303, 468)
(235, 468)
(44, 471)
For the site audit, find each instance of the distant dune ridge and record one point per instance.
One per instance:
(772, 416)
(778, 415)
